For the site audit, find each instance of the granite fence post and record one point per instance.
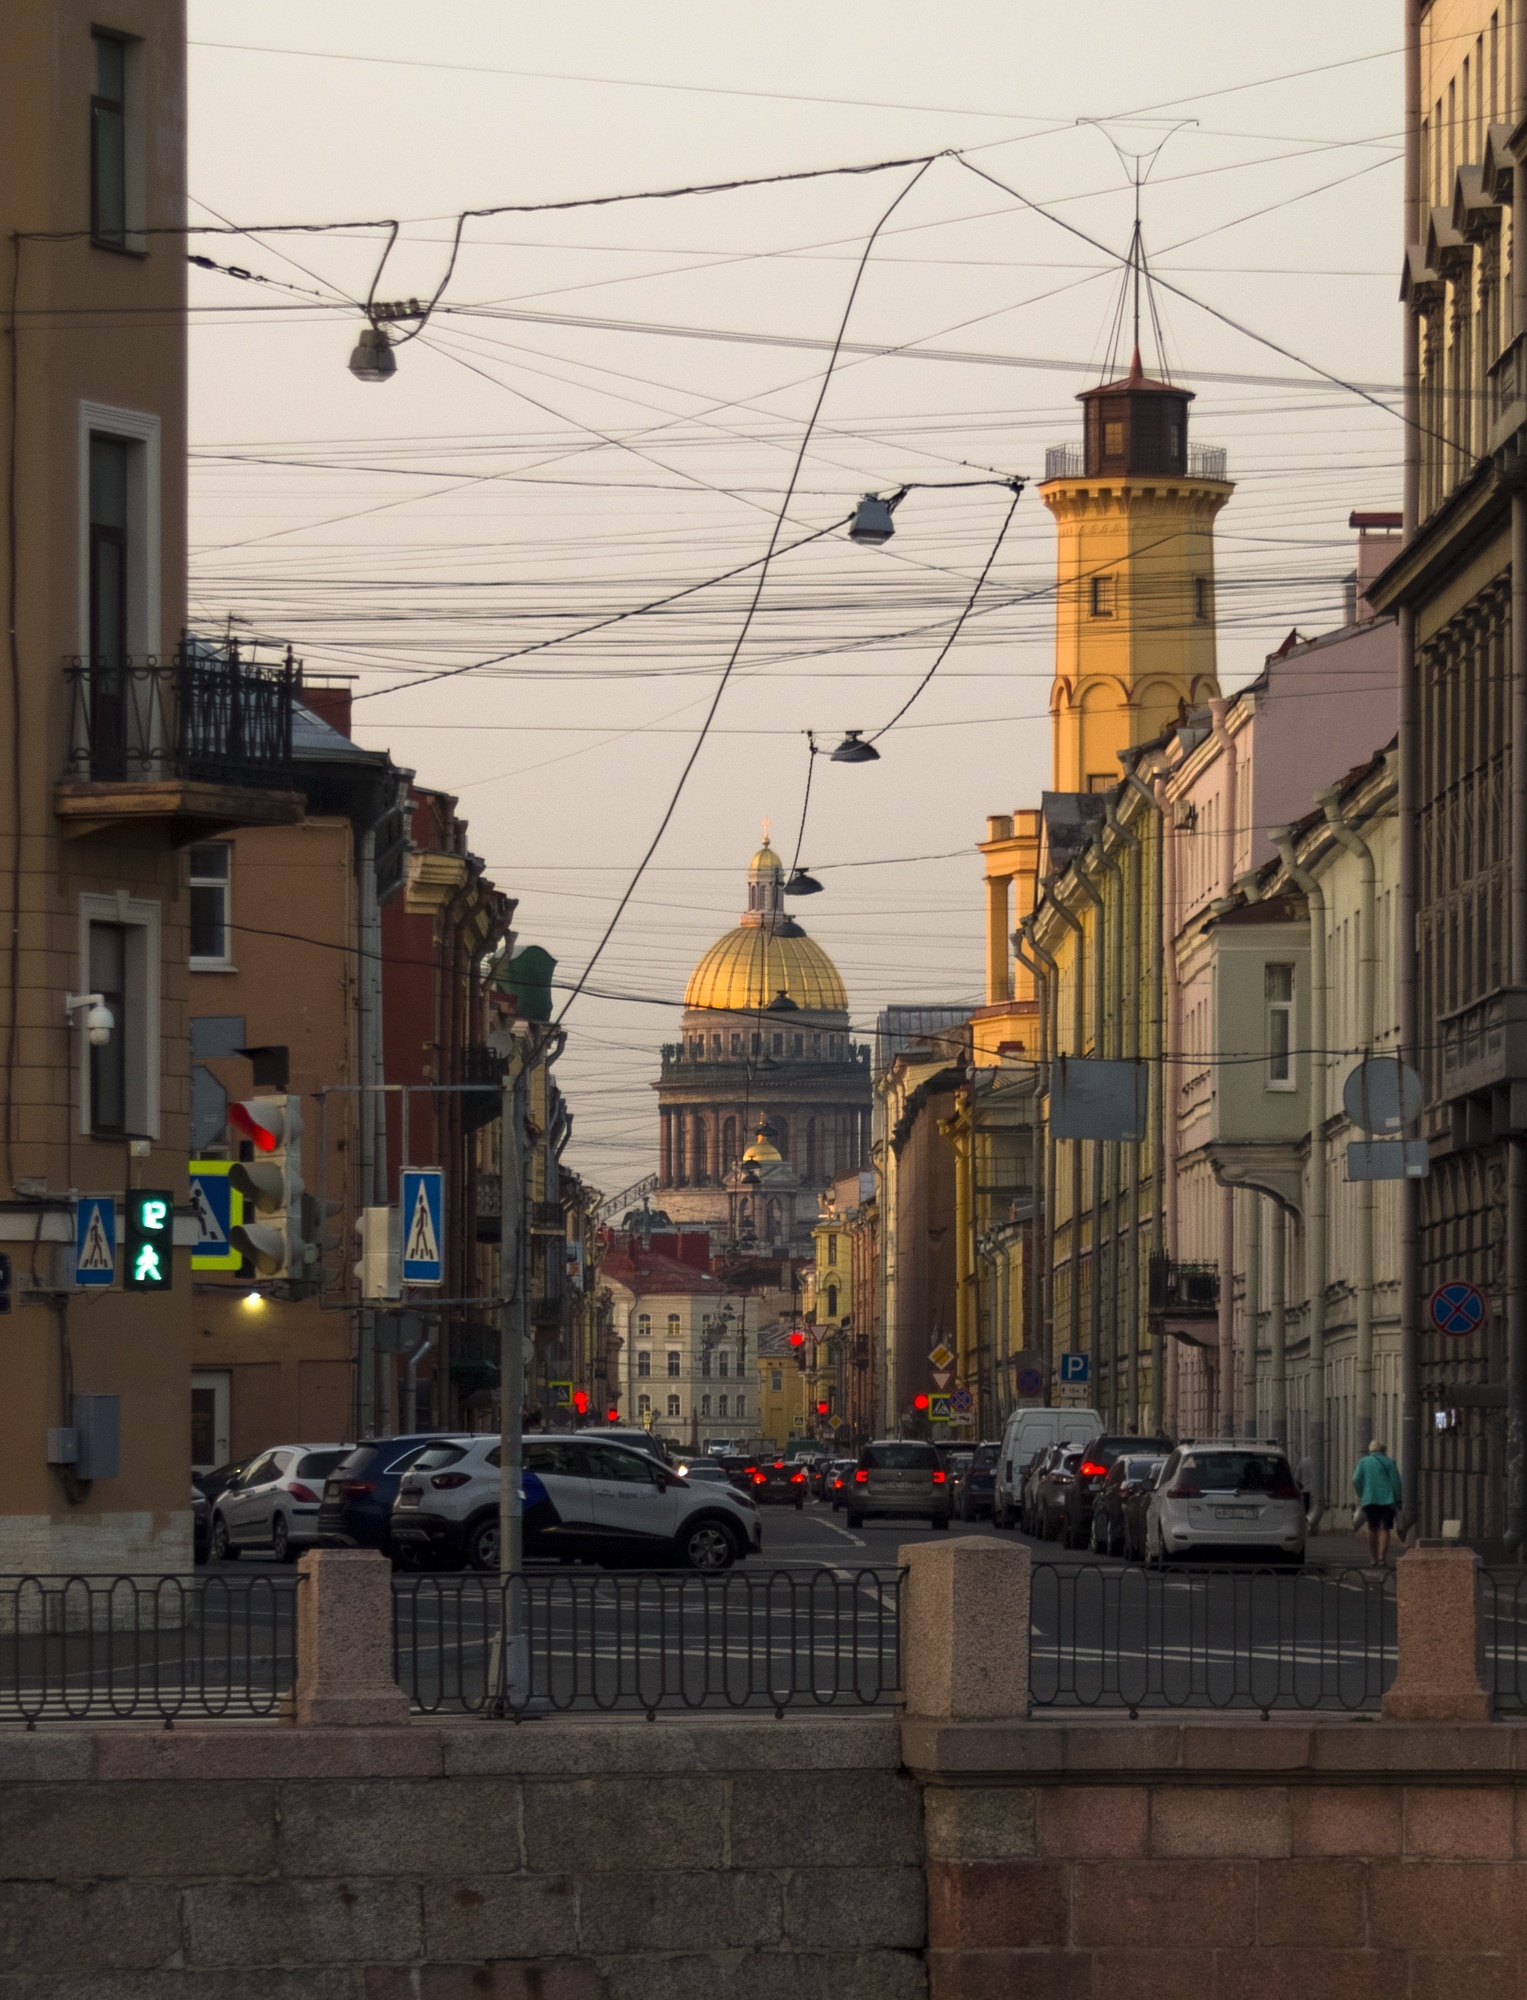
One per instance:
(1440, 1638)
(965, 1629)
(344, 1641)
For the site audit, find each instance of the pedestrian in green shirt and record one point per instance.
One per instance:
(1376, 1483)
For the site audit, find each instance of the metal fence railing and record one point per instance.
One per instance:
(117, 1648)
(1257, 1639)
(1503, 1622)
(652, 1640)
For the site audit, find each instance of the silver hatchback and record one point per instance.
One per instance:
(1225, 1498)
(898, 1476)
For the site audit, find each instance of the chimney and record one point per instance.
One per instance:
(1378, 543)
(330, 705)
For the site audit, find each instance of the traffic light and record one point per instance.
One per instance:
(919, 1402)
(612, 1416)
(149, 1261)
(282, 1241)
(379, 1266)
(581, 1401)
(823, 1408)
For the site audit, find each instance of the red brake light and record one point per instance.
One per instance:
(759, 1480)
(1284, 1490)
(861, 1478)
(358, 1486)
(446, 1480)
(939, 1478)
(1181, 1492)
(1091, 1471)
(779, 1464)
(300, 1492)
(797, 1479)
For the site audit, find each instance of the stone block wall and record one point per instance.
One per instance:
(555, 1860)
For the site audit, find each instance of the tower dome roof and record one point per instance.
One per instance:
(766, 956)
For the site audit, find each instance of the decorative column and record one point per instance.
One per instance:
(665, 1161)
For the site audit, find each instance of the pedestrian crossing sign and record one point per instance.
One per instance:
(423, 1226)
(218, 1208)
(95, 1239)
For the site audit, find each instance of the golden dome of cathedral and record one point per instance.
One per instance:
(766, 955)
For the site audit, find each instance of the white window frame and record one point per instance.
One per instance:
(224, 963)
(144, 917)
(1287, 1009)
(142, 428)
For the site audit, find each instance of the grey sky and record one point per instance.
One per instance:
(571, 437)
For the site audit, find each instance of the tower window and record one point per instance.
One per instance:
(1113, 440)
(1203, 599)
(1102, 594)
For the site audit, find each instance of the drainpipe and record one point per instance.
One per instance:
(1047, 1245)
(1315, 1212)
(1516, 1145)
(1095, 1232)
(1249, 885)
(1171, 1093)
(1155, 797)
(1129, 980)
(1078, 1032)
(1114, 1047)
(1367, 981)
(1229, 790)
(1039, 1257)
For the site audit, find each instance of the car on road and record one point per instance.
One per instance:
(201, 1525)
(777, 1482)
(1225, 1498)
(1047, 1459)
(585, 1500)
(1052, 1491)
(975, 1483)
(1031, 1426)
(274, 1502)
(1118, 1508)
(637, 1437)
(359, 1492)
(898, 1476)
(702, 1472)
(1098, 1455)
(839, 1479)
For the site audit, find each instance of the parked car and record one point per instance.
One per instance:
(898, 1476)
(702, 1472)
(1052, 1490)
(1225, 1498)
(840, 1479)
(359, 1492)
(201, 1525)
(1118, 1517)
(1048, 1458)
(778, 1482)
(585, 1500)
(975, 1483)
(274, 1502)
(1031, 1426)
(819, 1474)
(1098, 1455)
(210, 1484)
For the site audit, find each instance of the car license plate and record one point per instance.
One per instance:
(408, 1500)
(331, 1489)
(1236, 1513)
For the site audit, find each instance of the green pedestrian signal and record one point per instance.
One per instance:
(149, 1265)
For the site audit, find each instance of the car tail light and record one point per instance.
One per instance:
(1091, 1471)
(759, 1479)
(355, 1488)
(446, 1480)
(300, 1492)
(1181, 1492)
(861, 1478)
(1285, 1489)
(939, 1478)
(797, 1479)
(779, 1465)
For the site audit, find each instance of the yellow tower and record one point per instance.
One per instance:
(1134, 614)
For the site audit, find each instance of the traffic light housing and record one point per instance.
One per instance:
(823, 1408)
(379, 1266)
(581, 1401)
(149, 1259)
(920, 1403)
(281, 1242)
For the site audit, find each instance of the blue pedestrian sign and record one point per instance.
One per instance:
(423, 1226)
(1458, 1309)
(216, 1206)
(95, 1239)
(1075, 1367)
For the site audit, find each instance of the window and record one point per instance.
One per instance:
(109, 641)
(1280, 1026)
(618, 1462)
(723, 1364)
(674, 1359)
(776, 1380)
(740, 1411)
(674, 1408)
(715, 1045)
(119, 958)
(779, 1045)
(723, 1405)
(644, 1406)
(211, 939)
(644, 1326)
(108, 143)
(1102, 594)
(1101, 781)
(705, 1362)
(1113, 440)
(643, 1362)
(832, 1302)
(736, 1045)
(1203, 599)
(832, 1248)
(108, 1072)
(673, 1327)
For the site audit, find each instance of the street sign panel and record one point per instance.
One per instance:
(1457, 1309)
(216, 1205)
(1382, 1095)
(423, 1226)
(938, 1409)
(961, 1402)
(941, 1377)
(940, 1356)
(1030, 1382)
(95, 1239)
(1075, 1367)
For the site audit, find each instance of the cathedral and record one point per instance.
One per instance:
(766, 1100)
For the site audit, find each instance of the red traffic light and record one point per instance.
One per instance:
(581, 1401)
(919, 1402)
(612, 1416)
(797, 1338)
(823, 1408)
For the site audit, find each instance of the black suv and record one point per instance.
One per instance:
(1097, 1462)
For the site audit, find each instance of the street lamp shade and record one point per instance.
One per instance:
(853, 750)
(872, 521)
(802, 884)
(373, 359)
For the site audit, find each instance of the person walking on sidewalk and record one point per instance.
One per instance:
(1376, 1482)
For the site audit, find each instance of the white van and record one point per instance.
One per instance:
(1028, 1428)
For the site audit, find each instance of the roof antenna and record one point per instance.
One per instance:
(1138, 166)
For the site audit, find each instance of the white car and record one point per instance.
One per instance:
(1227, 1498)
(586, 1499)
(273, 1502)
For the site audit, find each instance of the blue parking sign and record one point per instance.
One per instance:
(95, 1239)
(423, 1226)
(1075, 1367)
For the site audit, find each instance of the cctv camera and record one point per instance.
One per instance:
(99, 1023)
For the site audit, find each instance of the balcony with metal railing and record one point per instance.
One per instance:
(194, 744)
(1069, 461)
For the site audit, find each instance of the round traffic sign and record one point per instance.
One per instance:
(1457, 1309)
(1030, 1382)
(961, 1402)
(1382, 1095)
